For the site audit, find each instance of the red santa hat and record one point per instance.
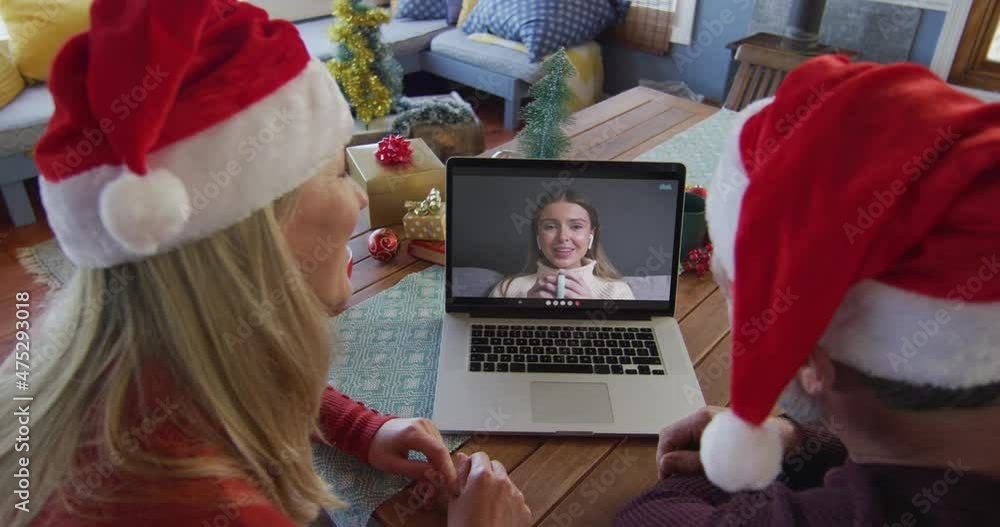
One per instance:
(175, 119)
(856, 210)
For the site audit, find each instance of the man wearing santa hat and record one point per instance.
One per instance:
(856, 223)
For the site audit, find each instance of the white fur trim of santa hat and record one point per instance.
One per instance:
(206, 182)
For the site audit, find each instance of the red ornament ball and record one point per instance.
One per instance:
(394, 149)
(383, 244)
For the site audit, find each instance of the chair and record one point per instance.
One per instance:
(759, 73)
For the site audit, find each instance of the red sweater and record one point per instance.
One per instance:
(820, 488)
(346, 423)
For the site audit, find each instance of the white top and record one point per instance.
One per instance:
(602, 288)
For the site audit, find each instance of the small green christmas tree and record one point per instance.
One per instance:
(368, 73)
(547, 113)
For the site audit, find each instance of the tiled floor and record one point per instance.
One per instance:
(14, 279)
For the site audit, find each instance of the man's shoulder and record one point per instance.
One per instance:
(693, 500)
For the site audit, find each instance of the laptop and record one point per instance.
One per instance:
(559, 300)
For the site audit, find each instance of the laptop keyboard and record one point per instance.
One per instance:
(564, 349)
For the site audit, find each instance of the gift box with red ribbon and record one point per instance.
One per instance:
(393, 180)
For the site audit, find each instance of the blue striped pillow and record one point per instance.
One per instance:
(421, 9)
(544, 26)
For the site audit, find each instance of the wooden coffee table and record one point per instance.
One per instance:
(584, 481)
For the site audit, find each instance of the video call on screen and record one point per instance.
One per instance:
(558, 238)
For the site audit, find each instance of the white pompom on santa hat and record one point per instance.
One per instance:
(175, 119)
(854, 210)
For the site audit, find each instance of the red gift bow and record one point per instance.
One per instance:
(394, 149)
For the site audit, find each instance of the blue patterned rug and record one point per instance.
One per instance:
(697, 147)
(391, 344)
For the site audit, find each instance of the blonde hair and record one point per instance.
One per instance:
(602, 269)
(239, 337)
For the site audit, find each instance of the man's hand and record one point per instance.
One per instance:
(391, 447)
(677, 451)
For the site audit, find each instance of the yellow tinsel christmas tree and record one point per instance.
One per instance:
(356, 68)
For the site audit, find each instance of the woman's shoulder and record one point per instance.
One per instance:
(615, 288)
(234, 502)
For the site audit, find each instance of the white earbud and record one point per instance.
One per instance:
(591, 246)
(538, 241)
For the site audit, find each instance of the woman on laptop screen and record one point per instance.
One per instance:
(565, 258)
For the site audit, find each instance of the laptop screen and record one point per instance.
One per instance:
(563, 235)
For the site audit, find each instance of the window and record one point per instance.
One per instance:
(977, 61)
(681, 16)
(652, 25)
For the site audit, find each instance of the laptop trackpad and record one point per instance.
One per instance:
(570, 402)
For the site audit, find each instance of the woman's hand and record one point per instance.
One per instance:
(391, 447)
(545, 286)
(488, 497)
(577, 288)
(677, 451)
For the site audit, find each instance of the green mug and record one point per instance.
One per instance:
(693, 226)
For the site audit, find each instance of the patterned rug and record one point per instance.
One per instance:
(391, 366)
(47, 264)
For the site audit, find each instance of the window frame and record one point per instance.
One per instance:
(971, 66)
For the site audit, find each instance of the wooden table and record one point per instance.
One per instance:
(584, 481)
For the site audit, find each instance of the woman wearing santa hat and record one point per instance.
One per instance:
(856, 229)
(194, 172)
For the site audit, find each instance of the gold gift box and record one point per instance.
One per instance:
(389, 187)
(428, 227)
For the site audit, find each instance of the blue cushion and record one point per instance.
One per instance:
(421, 9)
(544, 26)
